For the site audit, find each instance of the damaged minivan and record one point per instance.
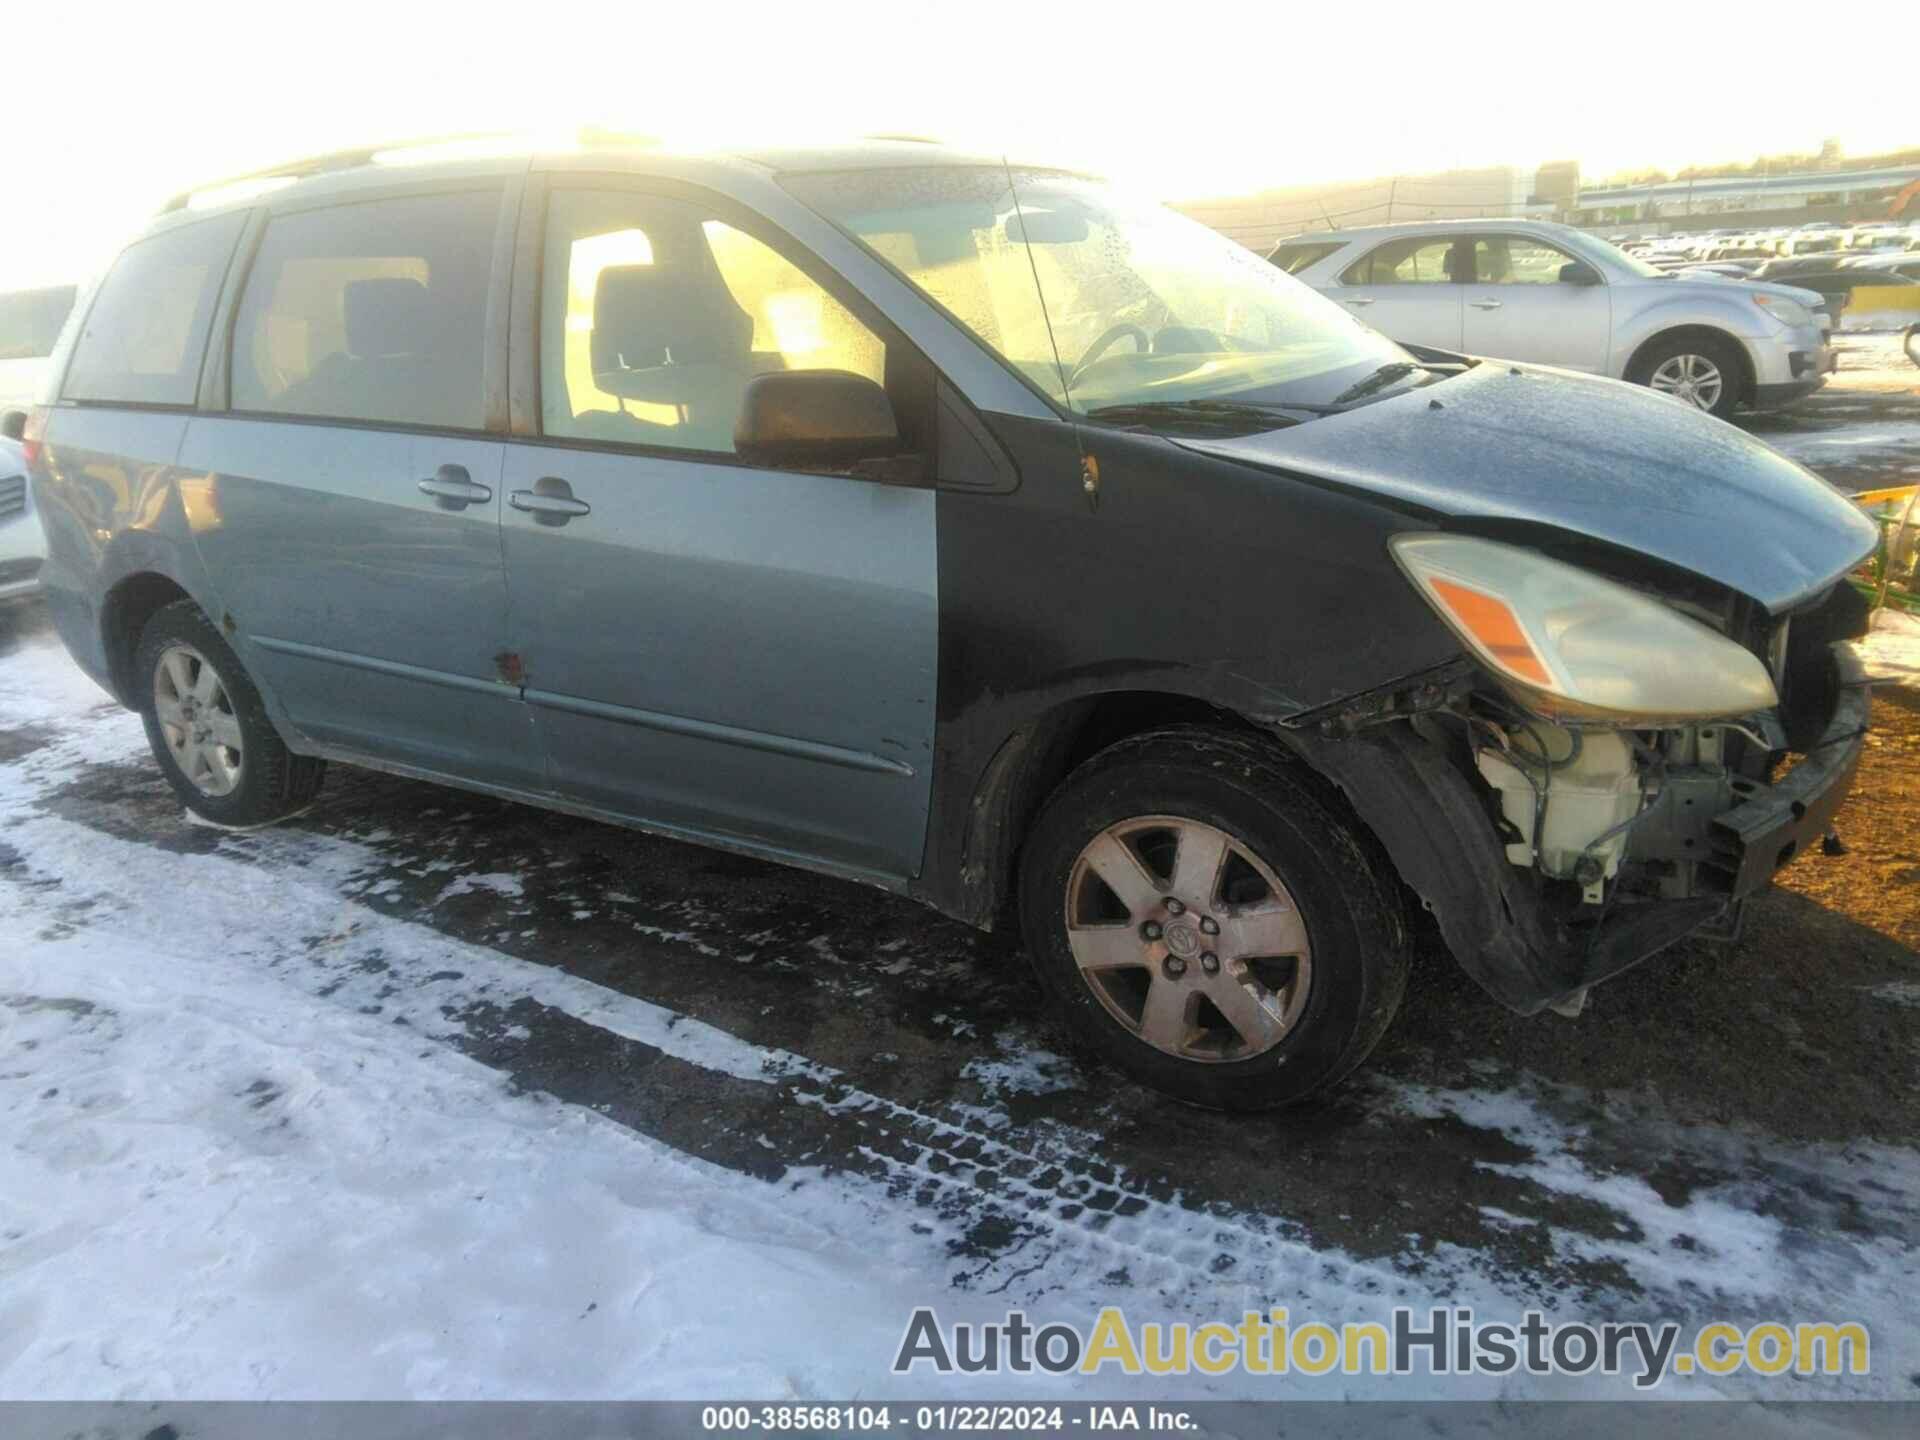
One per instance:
(965, 529)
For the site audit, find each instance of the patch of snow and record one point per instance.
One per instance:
(1900, 992)
(1845, 441)
(1022, 1067)
(42, 684)
(496, 882)
(1892, 648)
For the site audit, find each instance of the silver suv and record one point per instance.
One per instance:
(1552, 295)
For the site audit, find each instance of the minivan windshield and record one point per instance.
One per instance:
(1100, 300)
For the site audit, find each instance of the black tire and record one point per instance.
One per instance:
(272, 782)
(1724, 357)
(1341, 884)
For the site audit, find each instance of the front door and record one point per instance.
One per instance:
(348, 507)
(1519, 306)
(1405, 289)
(709, 647)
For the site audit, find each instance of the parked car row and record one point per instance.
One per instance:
(1553, 295)
(1816, 237)
(977, 533)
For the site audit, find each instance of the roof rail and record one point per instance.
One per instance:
(334, 160)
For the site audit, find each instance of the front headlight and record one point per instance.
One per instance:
(1571, 646)
(1790, 313)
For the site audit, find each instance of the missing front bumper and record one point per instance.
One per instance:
(1434, 823)
(1774, 823)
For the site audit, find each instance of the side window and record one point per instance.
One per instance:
(1296, 255)
(1413, 260)
(370, 311)
(146, 332)
(1516, 260)
(654, 316)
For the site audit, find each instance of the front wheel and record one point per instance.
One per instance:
(1702, 372)
(209, 728)
(1202, 918)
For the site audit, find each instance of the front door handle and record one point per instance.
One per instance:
(454, 488)
(550, 502)
(1484, 304)
(1359, 300)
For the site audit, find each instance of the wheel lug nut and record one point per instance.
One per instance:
(1150, 931)
(1174, 907)
(1209, 925)
(1210, 963)
(1176, 967)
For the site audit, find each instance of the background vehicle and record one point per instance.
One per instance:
(1838, 284)
(30, 322)
(1554, 295)
(808, 473)
(23, 545)
(1904, 263)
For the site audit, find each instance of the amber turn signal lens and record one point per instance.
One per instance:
(1496, 627)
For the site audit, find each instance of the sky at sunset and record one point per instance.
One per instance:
(113, 107)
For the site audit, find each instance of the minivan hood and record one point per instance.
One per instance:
(1598, 458)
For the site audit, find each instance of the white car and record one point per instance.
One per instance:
(23, 544)
(30, 322)
(1552, 295)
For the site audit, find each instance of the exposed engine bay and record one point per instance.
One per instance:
(1605, 841)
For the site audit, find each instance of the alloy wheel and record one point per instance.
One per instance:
(1692, 378)
(196, 716)
(1188, 939)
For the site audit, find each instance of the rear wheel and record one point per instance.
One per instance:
(1202, 918)
(1700, 370)
(209, 728)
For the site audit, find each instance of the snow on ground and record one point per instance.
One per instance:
(1893, 648)
(1849, 442)
(1871, 361)
(239, 1159)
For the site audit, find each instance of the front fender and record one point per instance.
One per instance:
(1734, 315)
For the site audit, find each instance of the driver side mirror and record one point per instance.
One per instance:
(13, 425)
(1578, 272)
(814, 419)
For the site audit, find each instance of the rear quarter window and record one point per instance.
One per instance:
(146, 332)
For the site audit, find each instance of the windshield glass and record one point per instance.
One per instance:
(1098, 299)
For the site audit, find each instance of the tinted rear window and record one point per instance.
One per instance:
(370, 311)
(30, 321)
(147, 330)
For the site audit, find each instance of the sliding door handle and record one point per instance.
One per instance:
(454, 489)
(550, 502)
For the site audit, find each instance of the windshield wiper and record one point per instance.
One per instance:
(1148, 412)
(1393, 370)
